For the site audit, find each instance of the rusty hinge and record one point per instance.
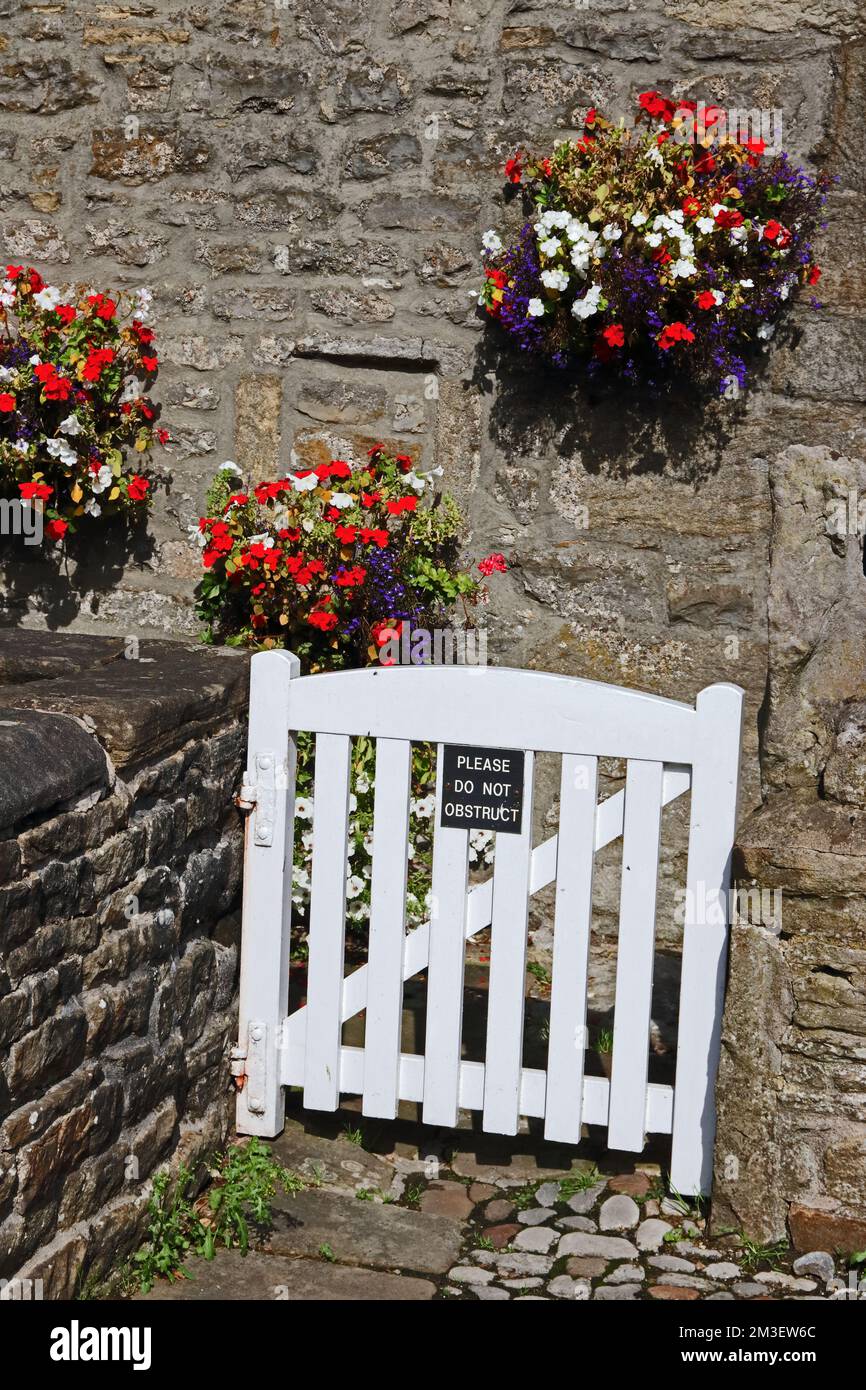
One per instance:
(258, 793)
(237, 1067)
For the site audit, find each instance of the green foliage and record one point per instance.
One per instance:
(244, 1179)
(578, 1182)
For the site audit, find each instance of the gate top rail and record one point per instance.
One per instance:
(495, 705)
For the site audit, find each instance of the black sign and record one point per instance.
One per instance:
(482, 789)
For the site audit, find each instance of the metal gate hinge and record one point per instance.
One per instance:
(258, 793)
(256, 1067)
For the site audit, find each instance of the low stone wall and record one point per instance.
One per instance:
(120, 863)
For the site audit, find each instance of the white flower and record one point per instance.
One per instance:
(304, 484)
(654, 155)
(785, 288)
(654, 239)
(92, 507)
(718, 296)
(300, 876)
(747, 284)
(480, 839)
(196, 536)
(7, 295)
(230, 467)
(304, 807)
(21, 446)
(412, 480)
(35, 360)
(354, 886)
(368, 842)
(132, 390)
(612, 232)
(103, 479)
(362, 783)
(639, 218)
(262, 539)
(491, 242)
(143, 302)
(738, 234)
(535, 308)
(555, 279)
(423, 806)
(6, 373)
(48, 298)
(549, 247)
(589, 305)
(341, 500)
(71, 425)
(59, 449)
(353, 803)
(766, 331)
(676, 215)
(683, 269)
(705, 225)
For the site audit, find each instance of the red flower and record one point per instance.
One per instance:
(7, 402)
(514, 168)
(369, 499)
(756, 149)
(56, 387)
(137, 488)
(656, 105)
(35, 281)
(706, 164)
(65, 313)
(56, 529)
(674, 333)
(396, 505)
(711, 114)
(772, 230)
(729, 217)
(492, 564)
(662, 137)
(614, 335)
(374, 536)
(150, 364)
(706, 300)
(105, 308)
(97, 358)
(323, 621)
(590, 116)
(144, 335)
(814, 275)
(162, 436)
(350, 579)
(39, 490)
(14, 271)
(691, 207)
(346, 534)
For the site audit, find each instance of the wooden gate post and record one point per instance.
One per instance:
(269, 789)
(713, 821)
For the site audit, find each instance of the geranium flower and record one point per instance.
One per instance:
(137, 487)
(514, 169)
(40, 491)
(674, 333)
(492, 564)
(56, 528)
(325, 622)
(7, 402)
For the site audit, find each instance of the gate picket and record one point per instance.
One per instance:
(626, 1124)
(327, 945)
(507, 988)
(563, 1114)
(387, 927)
(448, 908)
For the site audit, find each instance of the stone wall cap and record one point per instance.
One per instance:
(47, 760)
(141, 707)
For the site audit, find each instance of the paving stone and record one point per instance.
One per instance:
(672, 1263)
(584, 1268)
(652, 1207)
(698, 1252)
(619, 1213)
(470, 1274)
(724, 1270)
(616, 1293)
(650, 1234)
(583, 1202)
(626, 1274)
(719, 1297)
(536, 1216)
(747, 1289)
(525, 1282)
(502, 1235)
(671, 1292)
(494, 1162)
(817, 1263)
(786, 1281)
(532, 1298)
(548, 1194)
(689, 1281)
(447, 1199)
(498, 1211)
(335, 1163)
(366, 1233)
(480, 1191)
(577, 1223)
(538, 1238)
(632, 1184)
(512, 1262)
(563, 1287)
(260, 1278)
(490, 1293)
(610, 1247)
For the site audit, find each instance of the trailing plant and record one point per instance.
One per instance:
(243, 1181)
(76, 419)
(665, 250)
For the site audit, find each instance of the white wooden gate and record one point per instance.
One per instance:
(669, 747)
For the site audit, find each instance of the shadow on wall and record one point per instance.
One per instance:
(616, 429)
(57, 583)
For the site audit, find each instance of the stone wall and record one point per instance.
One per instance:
(120, 859)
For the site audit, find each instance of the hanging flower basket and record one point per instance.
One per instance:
(659, 252)
(76, 418)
